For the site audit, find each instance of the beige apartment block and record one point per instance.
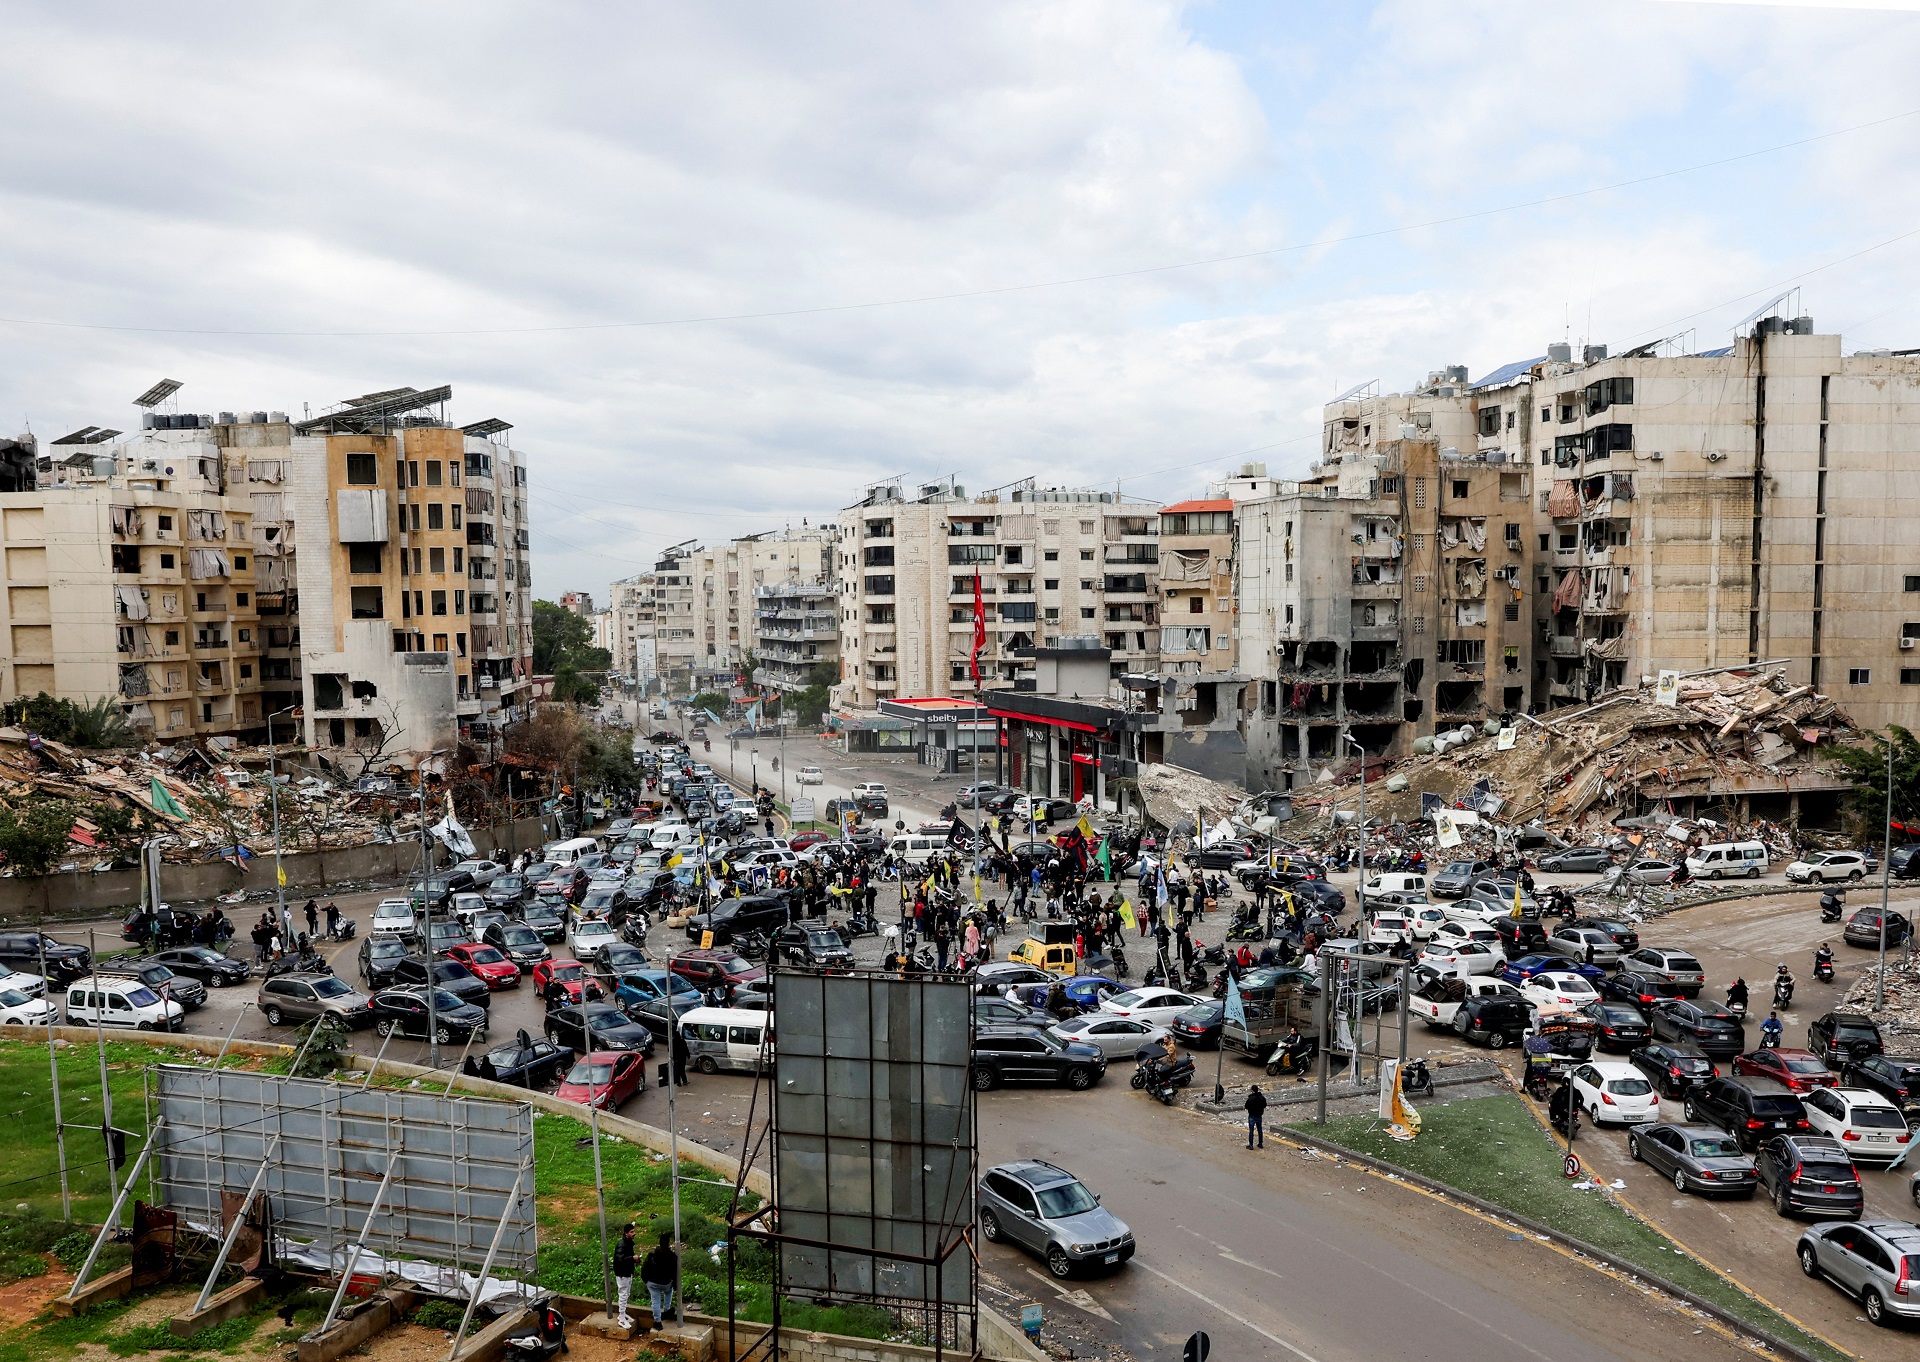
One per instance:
(1052, 563)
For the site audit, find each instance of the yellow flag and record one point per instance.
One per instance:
(1086, 828)
(1127, 918)
(673, 860)
(281, 871)
(1516, 900)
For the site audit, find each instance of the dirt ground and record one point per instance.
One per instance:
(410, 1343)
(21, 1301)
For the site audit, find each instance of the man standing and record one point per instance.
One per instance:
(623, 1273)
(679, 1052)
(660, 1269)
(1256, 1117)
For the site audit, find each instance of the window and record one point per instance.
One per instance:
(363, 558)
(436, 560)
(1859, 676)
(1604, 440)
(245, 635)
(1461, 489)
(362, 470)
(246, 671)
(433, 472)
(1389, 487)
(1289, 571)
(413, 473)
(457, 560)
(1513, 534)
(173, 638)
(1513, 611)
(1419, 497)
(1086, 612)
(240, 599)
(440, 603)
(367, 603)
(239, 562)
(1289, 614)
(1051, 555)
(879, 529)
(1053, 614)
(962, 553)
(166, 523)
(879, 586)
(1546, 543)
(1051, 584)
(1086, 555)
(436, 516)
(1196, 606)
(166, 560)
(878, 555)
(1012, 554)
(1086, 527)
(1910, 676)
(1419, 581)
(1911, 583)
(459, 602)
(1490, 420)
(1910, 630)
(1511, 657)
(1018, 612)
(1087, 584)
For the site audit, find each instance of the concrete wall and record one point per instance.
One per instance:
(82, 894)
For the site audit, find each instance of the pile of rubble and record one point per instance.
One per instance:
(1584, 769)
(1899, 1018)
(214, 801)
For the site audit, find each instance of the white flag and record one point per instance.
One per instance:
(452, 836)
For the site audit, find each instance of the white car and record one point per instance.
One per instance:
(1477, 910)
(1114, 1037)
(17, 1009)
(1568, 990)
(394, 917)
(1154, 1006)
(1438, 1011)
(1868, 1126)
(702, 771)
(1427, 920)
(1450, 955)
(586, 938)
(809, 775)
(1388, 928)
(1828, 865)
(1642, 872)
(1455, 930)
(484, 872)
(1614, 1093)
(22, 982)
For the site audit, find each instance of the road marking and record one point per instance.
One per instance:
(1229, 1254)
(1242, 1319)
(1079, 1298)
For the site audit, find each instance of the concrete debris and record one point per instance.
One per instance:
(1899, 1018)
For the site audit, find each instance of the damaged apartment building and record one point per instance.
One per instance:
(162, 567)
(1562, 527)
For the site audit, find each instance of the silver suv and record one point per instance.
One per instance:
(1048, 1211)
(298, 997)
(1876, 1260)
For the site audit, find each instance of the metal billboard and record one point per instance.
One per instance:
(873, 1127)
(329, 1147)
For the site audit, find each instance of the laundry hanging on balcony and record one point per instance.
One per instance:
(132, 602)
(1563, 502)
(1567, 594)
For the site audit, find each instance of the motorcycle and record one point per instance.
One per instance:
(1782, 994)
(1823, 969)
(1830, 906)
(1162, 1078)
(1770, 1038)
(1121, 969)
(1296, 1060)
(342, 930)
(298, 963)
(1559, 904)
(859, 924)
(1415, 1080)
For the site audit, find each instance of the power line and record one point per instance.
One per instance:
(1004, 289)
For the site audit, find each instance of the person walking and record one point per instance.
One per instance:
(1256, 1117)
(313, 918)
(660, 1269)
(623, 1273)
(679, 1055)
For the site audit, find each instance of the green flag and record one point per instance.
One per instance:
(164, 803)
(1105, 858)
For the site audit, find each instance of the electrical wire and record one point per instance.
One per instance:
(1004, 289)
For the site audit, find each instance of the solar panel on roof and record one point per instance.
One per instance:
(158, 393)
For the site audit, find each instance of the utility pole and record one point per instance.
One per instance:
(106, 1092)
(53, 1062)
(1886, 886)
(273, 791)
(426, 909)
(1360, 890)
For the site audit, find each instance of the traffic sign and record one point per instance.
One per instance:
(1198, 1347)
(1573, 1165)
(803, 810)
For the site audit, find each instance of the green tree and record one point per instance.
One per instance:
(100, 724)
(563, 649)
(1868, 766)
(811, 703)
(34, 837)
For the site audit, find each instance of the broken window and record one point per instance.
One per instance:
(362, 470)
(329, 690)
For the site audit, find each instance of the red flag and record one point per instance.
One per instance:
(979, 630)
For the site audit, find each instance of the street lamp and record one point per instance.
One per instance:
(1886, 886)
(1360, 893)
(426, 908)
(273, 794)
(754, 754)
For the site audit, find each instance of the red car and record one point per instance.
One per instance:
(605, 1079)
(1800, 1070)
(813, 837)
(565, 980)
(708, 967)
(487, 964)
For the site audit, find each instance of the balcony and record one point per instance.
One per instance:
(1601, 555)
(1365, 589)
(210, 645)
(1566, 557)
(1562, 645)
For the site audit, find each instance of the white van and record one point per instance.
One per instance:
(569, 851)
(726, 1038)
(105, 1000)
(1396, 884)
(914, 848)
(1717, 860)
(673, 836)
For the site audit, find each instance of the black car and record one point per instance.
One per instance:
(597, 1026)
(816, 947)
(1642, 990)
(548, 917)
(1577, 861)
(1700, 1022)
(445, 935)
(1863, 929)
(24, 951)
(440, 889)
(1811, 1175)
(605, 900)
(1314, 896)
(1225, 855)
(518, 942)
(1672, 1069)
(1520, 936)
(453, 978)
(993, 1011)
(1018, 1054)
(1905, 861)
(1894, 1077)
(205, 964)
(1841, 1036)
(523, 1061)
(1623, 933)
(378, 956)
(764, 913)
(1621, 1025)
(509, 891)
(403, 1012)
(617, 958)
(1492, 1021)
(1199, 1026)
(1752, 1110)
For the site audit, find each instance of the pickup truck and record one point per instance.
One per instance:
(1436, 999)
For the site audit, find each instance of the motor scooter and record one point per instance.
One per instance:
(1162, 1078)
(1823, 967)
(1831, 903)
(1782, 994)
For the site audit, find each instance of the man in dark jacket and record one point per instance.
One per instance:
(679, 1053)
(1256, 1116)
(623, 1272)
(660, 1270)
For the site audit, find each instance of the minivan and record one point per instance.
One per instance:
(569, 851)
(913, 848)
(1396, 884)
(725, 1038)
(108, 1000)
(1717, 860)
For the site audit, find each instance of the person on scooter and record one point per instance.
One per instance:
(1823, 963)
(1782, 985)
(1737, 997)
(1293, 1052)
(1770, 1031)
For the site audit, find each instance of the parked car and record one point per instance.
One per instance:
(1622, 1027)
(1623, 934)
(1827, 867)
(1455, 878)
(1808, 1174)
(1647, 871)
(1749, 1109)
(586, 937)
(1863, 929)
(1492, 1020)
(1796, 1070)
(190, 993)
(1518, 936)
(1614, 1093)
(403, 1011)
(548, 918)
(1050, 1213)
(28, 950)
(205, 964)
(992, 1010)
(518, 942)
(1642, 990)
(1577, 861)
(1672, 1069)
(1154, 1006)
(1870, 1128)
(597, 1026)
(1523, 969)
(483, 872)
(1837, 1037)
(715, 968)
(605, 1079)
(1454, 955)
(1679, 968)
(107, 1000)
(1567, 990)
(1114, 1037)
(524, 1061)
(565, 981)
(1018, 1054)
(18, 1008)
(1199, 1026)
(487, 964)
(1593, 945)
(813, 947)
(449, 975)
(1874, 1261)
(302, 997)
(1696, 1158)
(1700, 1022)
(443, 934)
(378, 956)
(1894, 1077)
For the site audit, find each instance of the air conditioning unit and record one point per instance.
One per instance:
(1908, 642)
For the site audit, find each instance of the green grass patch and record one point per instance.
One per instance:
(224, 1337)
(1493, 1148)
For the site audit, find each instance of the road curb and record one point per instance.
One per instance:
(1600, 1255)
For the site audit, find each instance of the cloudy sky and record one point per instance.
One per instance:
(722, 265)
